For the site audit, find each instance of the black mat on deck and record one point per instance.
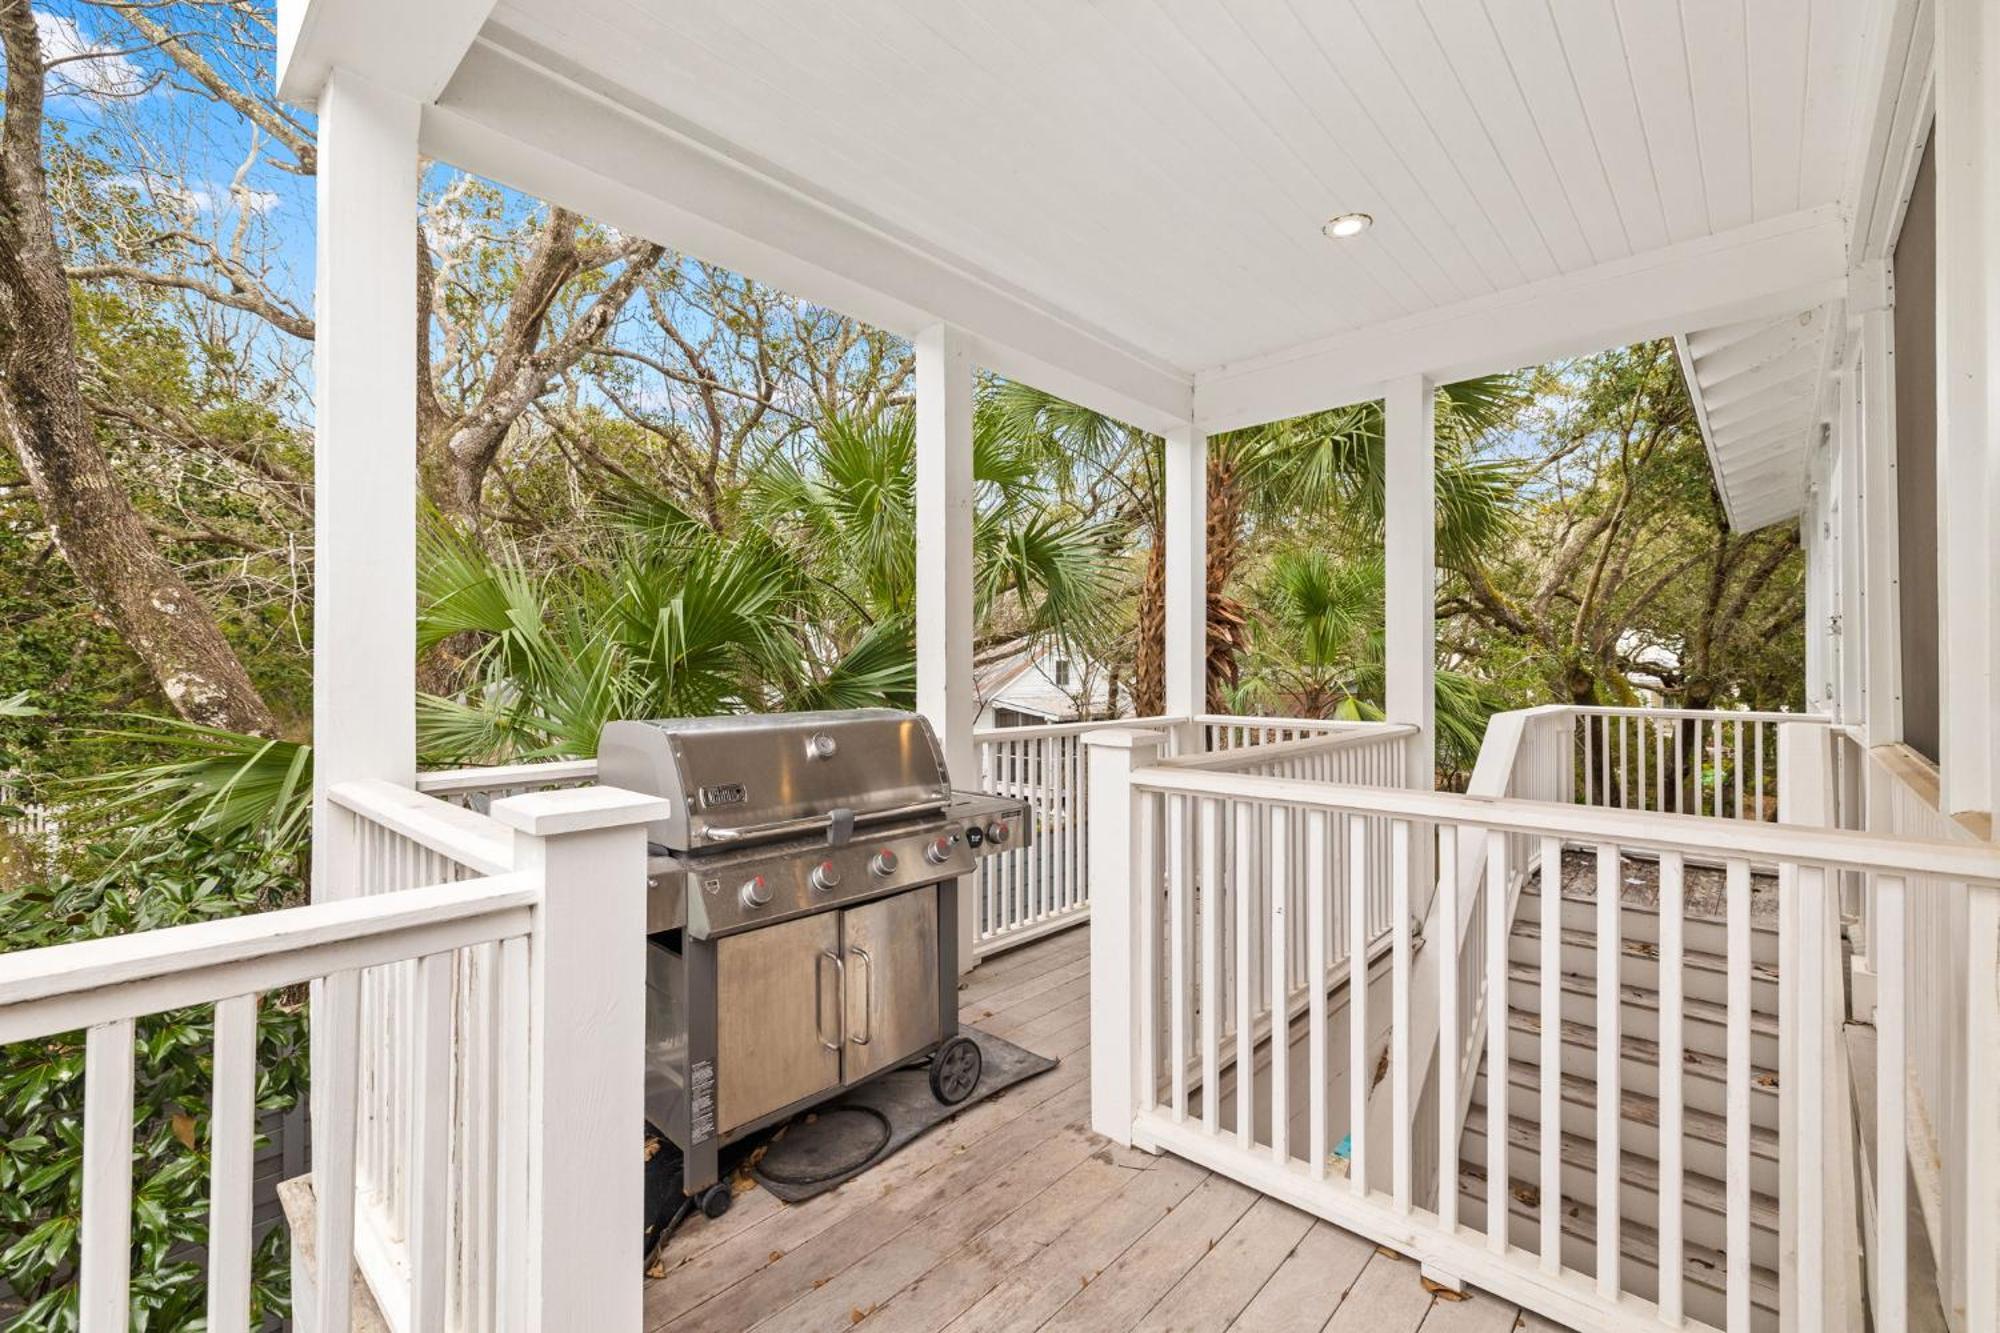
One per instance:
(839, 1140)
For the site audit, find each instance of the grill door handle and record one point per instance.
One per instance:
(810, 823)
(867, 997)
(819, 999)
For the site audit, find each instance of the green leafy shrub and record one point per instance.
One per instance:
(185, 877)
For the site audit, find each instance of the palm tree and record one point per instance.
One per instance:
(1319, 651)
(849, 506)
(1332, 461)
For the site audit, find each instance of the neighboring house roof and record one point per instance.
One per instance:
(1043, 679)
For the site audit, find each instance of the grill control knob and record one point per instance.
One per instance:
(939, 850)
(826, 877)
(996, 833)
(883, 862)
(755, 892)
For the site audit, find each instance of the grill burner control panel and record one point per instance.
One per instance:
(719, 894)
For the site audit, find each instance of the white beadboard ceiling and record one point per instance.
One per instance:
(1161, 171)
(1130, 192)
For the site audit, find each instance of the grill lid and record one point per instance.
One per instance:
(757, 777)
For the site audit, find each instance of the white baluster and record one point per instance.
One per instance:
(1358, 1069)
(106, 1277)
(1551, 1056)
(232, 1148)
(1281, 1019)
(1403, 1129)
(1737, 1190)
(1673, 908)
(1451, 1043)
(1317, 892)
(1610, 887)
(1211, 986)
(1497, 1079)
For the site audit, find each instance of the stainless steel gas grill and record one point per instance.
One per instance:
(801, 912)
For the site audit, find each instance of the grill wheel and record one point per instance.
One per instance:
(955, 1070)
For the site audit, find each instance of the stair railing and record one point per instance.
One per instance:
(1570, 1234)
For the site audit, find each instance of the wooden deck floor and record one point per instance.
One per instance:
(1015, 1216)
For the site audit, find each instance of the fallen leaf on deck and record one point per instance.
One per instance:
(1439, 1290)
(775, 1256)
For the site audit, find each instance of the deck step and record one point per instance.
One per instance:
(1704, 1270)
(1704, 975)
(1705, 934)
(1703, 1136)
(1704, 1077)
(1704, 1198)
(1704, 1025)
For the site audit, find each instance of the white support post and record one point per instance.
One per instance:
(585, 1124)
(365, 455)
(1966, 142)
(1822, 1283)
(1881, 601)
(1123, 902)
(1849, 569)
(1186, 537)
(944, 571)
(1409, 543)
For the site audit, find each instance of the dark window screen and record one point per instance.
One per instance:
(1915, 263)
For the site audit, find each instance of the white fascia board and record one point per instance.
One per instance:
(1766, 269)
(411, 49)
(529, 119)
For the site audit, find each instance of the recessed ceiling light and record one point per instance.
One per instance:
(1343, 225)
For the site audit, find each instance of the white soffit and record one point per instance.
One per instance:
(1756, 390)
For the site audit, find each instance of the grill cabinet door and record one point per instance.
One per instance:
(892, 980)
(776, 993)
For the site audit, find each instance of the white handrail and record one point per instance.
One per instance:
(1629, 829)
(508, 777)
(1338, 736)
(67, 986)
(463, 835)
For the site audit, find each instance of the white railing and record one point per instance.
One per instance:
(393, 839)
(1684, 761)
(105, 986)
(1517, 1217)
(477, 788)
(1027, 892)
(1928, 920)
(476, 990)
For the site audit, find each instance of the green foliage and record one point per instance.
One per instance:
(192, 877)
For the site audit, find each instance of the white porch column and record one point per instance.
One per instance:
(944, 569)
(364, 453)
(1968, 471)
(1186, 537)
(1409, 542)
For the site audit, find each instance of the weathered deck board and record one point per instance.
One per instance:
(1310, 1284)
(1013, 1216)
